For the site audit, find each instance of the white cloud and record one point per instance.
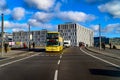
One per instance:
(113, 8)
(3, 8)
(112, 28)
(41, 4)
(11, 25)
(35, 23)
(2, 4)
(95, 27)
(6, 11)
(42, 16)
(75, 16)
(41, 19)
(57, 7)
(18, 13)
(17, 29)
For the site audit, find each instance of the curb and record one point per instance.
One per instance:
(102, 53)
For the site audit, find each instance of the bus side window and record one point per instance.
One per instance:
(59, 43)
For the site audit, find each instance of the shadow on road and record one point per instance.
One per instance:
(37, 50)
(113, 73)
(2, 58)
(31, 49)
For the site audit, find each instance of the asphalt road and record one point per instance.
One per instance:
(71, 64)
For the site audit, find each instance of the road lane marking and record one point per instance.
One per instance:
(56, 75)
(30, 52)
(58, 62)
(60, 56)
(7, 58)
(18, 60)
(100, 59)
(56, 72)
(42, 55)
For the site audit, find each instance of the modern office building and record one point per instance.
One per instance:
(38, 37)
(76, 33)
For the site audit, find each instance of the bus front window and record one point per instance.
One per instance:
(55, 43)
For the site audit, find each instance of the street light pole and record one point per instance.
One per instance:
(29, 36)
(99, 37)
(2, 33)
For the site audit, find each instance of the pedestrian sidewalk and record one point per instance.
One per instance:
(109, 52)
(13, 53)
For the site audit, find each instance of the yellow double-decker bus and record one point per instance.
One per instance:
(54, 42)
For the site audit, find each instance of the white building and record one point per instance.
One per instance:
(76, 33)
(38, 37)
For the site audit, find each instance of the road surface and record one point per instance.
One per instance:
(71, 64)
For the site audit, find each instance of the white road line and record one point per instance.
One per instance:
(7, 58)
(56, 75)
(30, 52)
(58, 62)
(101, 59)
(60, 56)
(18, 60)
(42, 55)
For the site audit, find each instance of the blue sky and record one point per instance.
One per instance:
(47, 14)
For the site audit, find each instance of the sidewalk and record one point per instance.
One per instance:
(13, 53)
(108, 52)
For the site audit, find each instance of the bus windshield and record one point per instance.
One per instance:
(55, 43)
(52, 35)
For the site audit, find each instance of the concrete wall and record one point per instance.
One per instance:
(117, 46)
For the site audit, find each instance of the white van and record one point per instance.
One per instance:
(67, 43)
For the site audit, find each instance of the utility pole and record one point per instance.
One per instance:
(2, 33)
(29, 36)
(99, 37)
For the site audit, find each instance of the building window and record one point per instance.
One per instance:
(58, 26)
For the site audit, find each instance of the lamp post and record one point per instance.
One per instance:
(2, 33)
(99, 37)
(29, 36)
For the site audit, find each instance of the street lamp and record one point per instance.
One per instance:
(29, 36)
(99, 37)
(2, 33)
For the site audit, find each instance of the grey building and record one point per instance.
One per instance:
(38, 37)
(76, 33)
